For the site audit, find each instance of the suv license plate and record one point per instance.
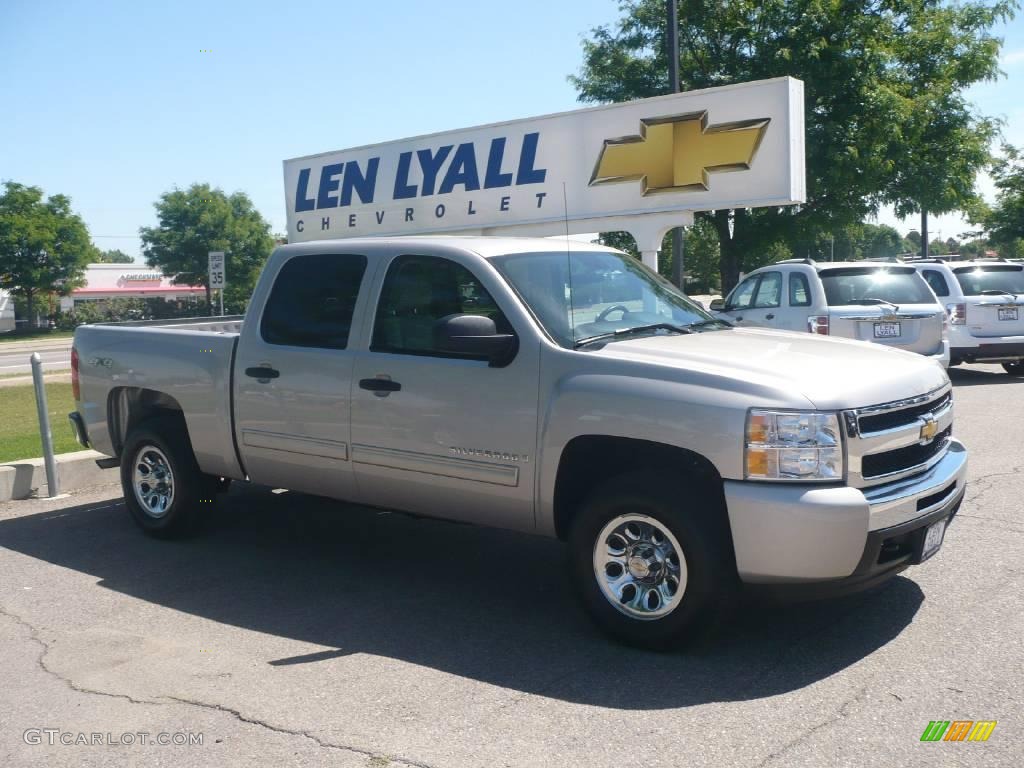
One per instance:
(887, 330)
(1007, 313)
(933, 539)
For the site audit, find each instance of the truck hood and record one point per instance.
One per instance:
(832, 374)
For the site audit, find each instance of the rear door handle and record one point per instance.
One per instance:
(262, 372)
(380, 385)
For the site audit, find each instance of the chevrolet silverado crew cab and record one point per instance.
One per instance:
(871, 301)
(563, 390)
(985, 303)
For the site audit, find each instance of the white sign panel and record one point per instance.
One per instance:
(218, 278)
(738, 146)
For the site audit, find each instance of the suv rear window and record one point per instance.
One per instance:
(873, 285)
(997, 278)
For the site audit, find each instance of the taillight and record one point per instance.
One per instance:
(957, 314)
(74, 375)
(818, 324)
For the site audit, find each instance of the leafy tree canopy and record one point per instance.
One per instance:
(886, 119)
(44, 247)
(201, 219)
(114, 256)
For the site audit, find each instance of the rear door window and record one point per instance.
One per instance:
(312, 301)
(799, 290)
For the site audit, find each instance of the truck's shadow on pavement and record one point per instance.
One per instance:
(483, 604)
(967, 376)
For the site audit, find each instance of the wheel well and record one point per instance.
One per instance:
(589, 459)
(127, 407)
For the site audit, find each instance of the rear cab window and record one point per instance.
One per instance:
(845, 286)
(991, 279)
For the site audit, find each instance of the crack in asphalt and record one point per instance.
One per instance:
(291, 732)
(840, 715)
(45, 647)
(986, 482)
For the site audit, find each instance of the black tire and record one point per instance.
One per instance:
(191, 492)
(694, 516)
(1015, 368)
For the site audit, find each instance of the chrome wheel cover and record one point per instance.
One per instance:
(640, 567)
(153, 481)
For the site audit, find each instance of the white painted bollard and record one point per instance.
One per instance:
(52, 481)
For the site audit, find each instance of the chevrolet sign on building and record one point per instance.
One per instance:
(642, 166)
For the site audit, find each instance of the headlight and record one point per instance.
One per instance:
(793, 445)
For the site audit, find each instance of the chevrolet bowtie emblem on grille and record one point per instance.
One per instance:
(929, 429)
(675, 154)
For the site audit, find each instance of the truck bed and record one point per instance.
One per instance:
(185, 364)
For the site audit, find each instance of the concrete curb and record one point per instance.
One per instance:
(27, 478)
(26, 381)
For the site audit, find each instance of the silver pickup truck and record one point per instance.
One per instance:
(563, 390)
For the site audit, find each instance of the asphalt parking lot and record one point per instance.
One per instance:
(297, 631)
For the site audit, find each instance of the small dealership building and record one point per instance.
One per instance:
(128, 281)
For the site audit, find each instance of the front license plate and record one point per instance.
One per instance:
(1007, 313)
(933, 539)
(887, 330)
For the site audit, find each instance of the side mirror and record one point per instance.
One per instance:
(475, 336)
(717, 305)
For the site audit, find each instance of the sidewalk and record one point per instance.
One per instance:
(26, 380)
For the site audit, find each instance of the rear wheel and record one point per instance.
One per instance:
(163, 487)
(652, 561)
(1015, 368)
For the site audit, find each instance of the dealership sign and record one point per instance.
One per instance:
(614, 166)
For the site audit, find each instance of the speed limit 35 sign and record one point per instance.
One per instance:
(218, 278)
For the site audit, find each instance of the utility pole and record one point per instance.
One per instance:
(924, 233)
(672, 50)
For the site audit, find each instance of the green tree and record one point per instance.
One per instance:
(114, 256)
(201, 219)
(1004, 221)
(886, 121)
(44, 247)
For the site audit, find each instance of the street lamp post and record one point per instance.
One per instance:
(672, 51)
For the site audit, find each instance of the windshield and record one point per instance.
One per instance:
(1001, 277)
(864, 285)
(608, 293)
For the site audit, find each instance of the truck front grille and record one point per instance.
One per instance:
(897, 440)
(900, 418)
(900, 459)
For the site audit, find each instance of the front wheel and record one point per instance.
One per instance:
(1015, 368)
(652, 561)
(163, 487)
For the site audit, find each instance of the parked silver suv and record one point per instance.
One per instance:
(985, 303)
(871, 301)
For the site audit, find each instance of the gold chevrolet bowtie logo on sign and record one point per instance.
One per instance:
(675, 154)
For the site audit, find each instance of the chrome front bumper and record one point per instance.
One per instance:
(805, 533)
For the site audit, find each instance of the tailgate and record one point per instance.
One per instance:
(913, 328)
(995, 316)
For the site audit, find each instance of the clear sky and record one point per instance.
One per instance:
(113, 103)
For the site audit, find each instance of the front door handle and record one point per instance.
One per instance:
(263, 372)
(738, 318)
(769, 316)
(380, 385)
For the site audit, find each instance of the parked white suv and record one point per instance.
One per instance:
(985, 303)
(870, 301)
